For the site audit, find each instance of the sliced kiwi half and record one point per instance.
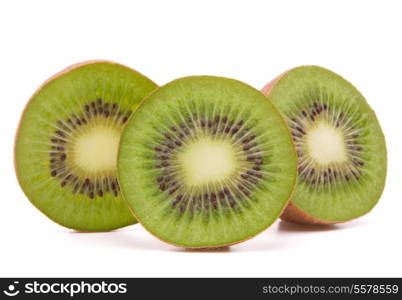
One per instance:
(202, 166)
(67, 144)
(339, 142)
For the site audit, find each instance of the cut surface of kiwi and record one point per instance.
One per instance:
(67, 144)
(340, 146)
(202, 166)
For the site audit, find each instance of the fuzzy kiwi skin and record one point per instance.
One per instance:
(45, 83)
(292, 213)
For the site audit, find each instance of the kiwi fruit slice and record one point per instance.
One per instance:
(67, 143)
(339, 143)
(201, 165)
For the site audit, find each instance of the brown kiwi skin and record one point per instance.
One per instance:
(292, 213)
(47, 81)
(206, 248)
(295, 215)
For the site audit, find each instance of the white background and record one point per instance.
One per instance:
(252, 41)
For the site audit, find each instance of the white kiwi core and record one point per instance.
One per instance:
(206, 160)
(326, 144)
(95, 150)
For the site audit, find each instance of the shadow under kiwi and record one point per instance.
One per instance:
(285, 226)
(224, 249)
(131, 237)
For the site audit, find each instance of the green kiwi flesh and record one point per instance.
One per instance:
(342, 157)
(202, 166)
(66, 145)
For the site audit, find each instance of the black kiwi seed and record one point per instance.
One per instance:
(71, 123)
(235, 129)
